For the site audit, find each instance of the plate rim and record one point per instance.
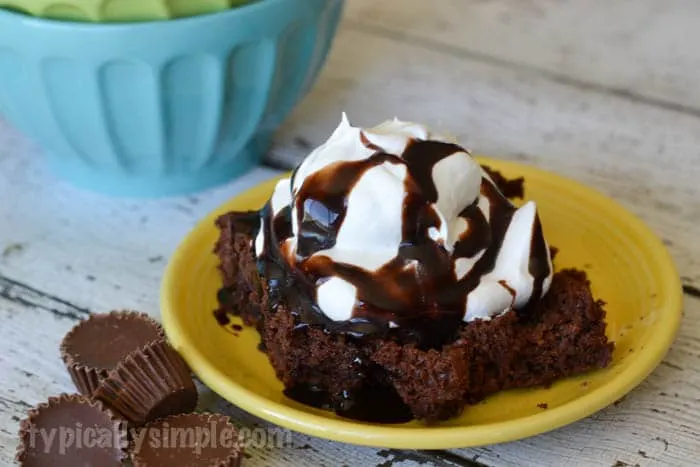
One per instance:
(434, 437)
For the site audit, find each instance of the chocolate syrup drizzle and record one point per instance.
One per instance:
(417, 290)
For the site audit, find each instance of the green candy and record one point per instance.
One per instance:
(103, 11)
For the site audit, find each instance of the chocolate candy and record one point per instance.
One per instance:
(70, 431)
(207, 440)
(150, 383)
(96, 345)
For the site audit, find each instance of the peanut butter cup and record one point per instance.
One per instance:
(149, 383)
(202, 440)
(96, 345)
(71, 430)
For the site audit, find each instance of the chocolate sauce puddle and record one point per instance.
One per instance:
(374, 404)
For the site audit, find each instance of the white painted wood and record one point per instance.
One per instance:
(644, 47)
(60, 244)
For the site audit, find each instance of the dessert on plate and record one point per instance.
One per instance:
(391, 278)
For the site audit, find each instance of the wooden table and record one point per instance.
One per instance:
(603, 92)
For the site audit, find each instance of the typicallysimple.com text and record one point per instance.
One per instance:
(62, 439)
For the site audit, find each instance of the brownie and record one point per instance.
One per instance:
(387, 378)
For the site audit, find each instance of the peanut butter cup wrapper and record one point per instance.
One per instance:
(70, 430)
(150, 383)
(96, 345)
(205, 439)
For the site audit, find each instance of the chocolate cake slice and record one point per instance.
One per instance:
(561, 335)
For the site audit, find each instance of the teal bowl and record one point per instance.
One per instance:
(161, 108)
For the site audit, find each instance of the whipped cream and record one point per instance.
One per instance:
(395, 223)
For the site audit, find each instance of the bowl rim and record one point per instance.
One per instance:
(442, 437)
(253, 7)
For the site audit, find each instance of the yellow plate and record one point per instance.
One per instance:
(628, 266)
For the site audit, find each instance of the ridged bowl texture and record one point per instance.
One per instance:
(167, 107)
